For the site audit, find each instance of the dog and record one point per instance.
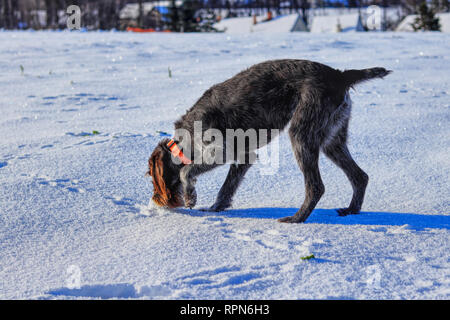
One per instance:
(312, 97)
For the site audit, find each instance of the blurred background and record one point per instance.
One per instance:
(233, 16)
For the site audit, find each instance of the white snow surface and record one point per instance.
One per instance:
(75, 220)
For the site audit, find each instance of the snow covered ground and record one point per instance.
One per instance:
(80, 118)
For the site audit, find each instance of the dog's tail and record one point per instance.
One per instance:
(353, 77)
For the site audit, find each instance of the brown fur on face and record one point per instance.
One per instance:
(165, 181)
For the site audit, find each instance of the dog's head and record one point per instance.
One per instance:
(165, 177)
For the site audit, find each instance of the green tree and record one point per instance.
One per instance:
(172, 18)
(189, 21)
(440, 5)
(426, 20)
(186, 18)
(352, 3)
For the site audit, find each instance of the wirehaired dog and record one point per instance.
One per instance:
(313, 97)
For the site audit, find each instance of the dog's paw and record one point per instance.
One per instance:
(208, 209)
(215, 208)
(189, 204)
(342, 212)
(190, 199)
(293, 219)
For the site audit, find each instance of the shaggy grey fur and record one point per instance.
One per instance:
(313, 97)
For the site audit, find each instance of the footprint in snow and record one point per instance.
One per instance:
(71, 185)
(112, 291)
(270, 239)
(129, 108)
(220, 277)
(209, 273)
(128, 204)
(215, 221)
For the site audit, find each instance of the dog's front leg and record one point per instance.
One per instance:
(231, 184)
(188, 177)
(188, 182)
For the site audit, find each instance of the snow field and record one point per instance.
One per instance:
(80, 121)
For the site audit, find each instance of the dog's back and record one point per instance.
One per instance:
(267, 94)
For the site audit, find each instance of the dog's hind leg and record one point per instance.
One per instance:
(307, 155)
(229, 187)
(338, 152)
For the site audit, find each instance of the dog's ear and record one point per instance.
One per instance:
(158, 153)
(161, 194)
